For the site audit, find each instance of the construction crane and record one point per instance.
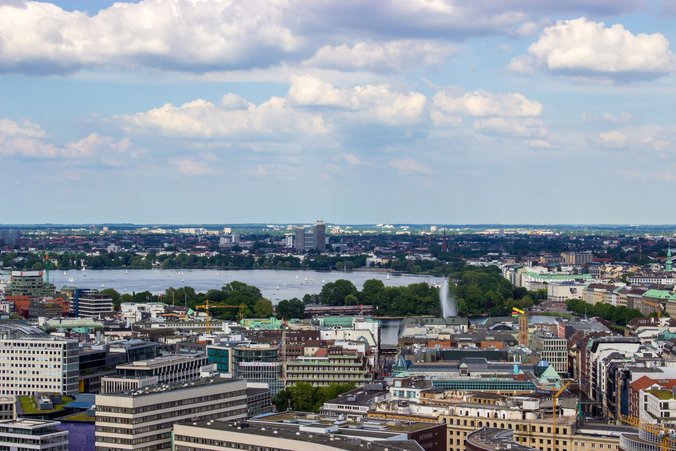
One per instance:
(555, 398)
(663, 437)
(207, 309)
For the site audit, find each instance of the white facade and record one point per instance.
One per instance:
(38, 365)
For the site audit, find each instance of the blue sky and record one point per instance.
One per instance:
(417, 111)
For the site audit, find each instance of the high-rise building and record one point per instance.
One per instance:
(143, 419)
(299, 238)
(38, 365)
(9, 237)
(320, 235)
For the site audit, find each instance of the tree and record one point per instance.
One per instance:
(115, 295)
(334, 293)
(292, 308)
(262, 308)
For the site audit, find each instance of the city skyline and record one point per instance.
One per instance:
(412, 112)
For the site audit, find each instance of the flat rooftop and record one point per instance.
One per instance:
(330, 439)
(162, 388)
(495, 439)
(159, 362)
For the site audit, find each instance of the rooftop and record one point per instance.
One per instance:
(162, 388)
(337, 440)
(495, 439)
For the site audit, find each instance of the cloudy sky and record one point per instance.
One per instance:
(417, 111)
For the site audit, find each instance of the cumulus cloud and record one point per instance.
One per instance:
(26, 139)
(584, 48)
(191, 167)
(394, 55)
(233, 118)
(171, 34)
(511, 114)
(351, 159)
(409, 166)
(203, 36)
(370, 103)
(611, 118)
(612, 139)
(482, 103)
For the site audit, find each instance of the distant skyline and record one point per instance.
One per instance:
(358, 112)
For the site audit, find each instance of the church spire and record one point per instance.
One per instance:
(668, 263)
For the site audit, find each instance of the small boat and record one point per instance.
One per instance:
(323, 280)
(388, 277)
(126, 271)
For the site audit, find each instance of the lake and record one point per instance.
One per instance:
(274, 284)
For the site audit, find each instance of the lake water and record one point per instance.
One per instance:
(274, 284)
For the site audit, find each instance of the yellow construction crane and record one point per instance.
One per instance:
(555, 398)
(206, 307)
(664, 437)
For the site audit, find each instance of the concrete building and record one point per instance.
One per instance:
(87, 303)
(38, 365)
(164, 370)
(32, 435)
(299, 238)
(552, 349)
(328, 369)
(563, 291)
(320, 236)
(28, 283)
(143, 419)
(576, 258)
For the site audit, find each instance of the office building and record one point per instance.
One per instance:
(299, 238)
(327, 369)
(90, 304)
(163, 370)
(258, 363)
(9, 237)
(28, 283)
(320, 236)
(32, 435)
(552, 349)
(38, 365)
(143, 419)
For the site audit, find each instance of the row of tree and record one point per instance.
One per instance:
(232, 301)
(414, 299)
(304, 397)
(620, 315)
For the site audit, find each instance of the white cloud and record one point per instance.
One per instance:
(409, 166)
(233, 119)
(203, 36)
(611, 118)
(171, 34)
(370, 103)
(351, 159)
(383, 56)
(581, 47)
(515, 127)
(28, 140)
(485, 104)
(191, 167)
(510, 114)
(612, 139)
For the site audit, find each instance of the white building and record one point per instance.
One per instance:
(143, 419)
(38, 365)
(32, 435)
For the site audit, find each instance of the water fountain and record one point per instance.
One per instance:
(447, 301)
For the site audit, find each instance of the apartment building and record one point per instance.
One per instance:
(32, 365)
(143, 419)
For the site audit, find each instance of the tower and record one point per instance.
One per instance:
(668, 264)
(523, 330)
(320, 235)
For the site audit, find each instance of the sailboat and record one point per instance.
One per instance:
(388, 276)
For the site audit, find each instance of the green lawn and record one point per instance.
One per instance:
(29, 406)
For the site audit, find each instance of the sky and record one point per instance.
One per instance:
(351, 111)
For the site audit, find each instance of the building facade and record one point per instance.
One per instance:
(143, 420)
(38, 365)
